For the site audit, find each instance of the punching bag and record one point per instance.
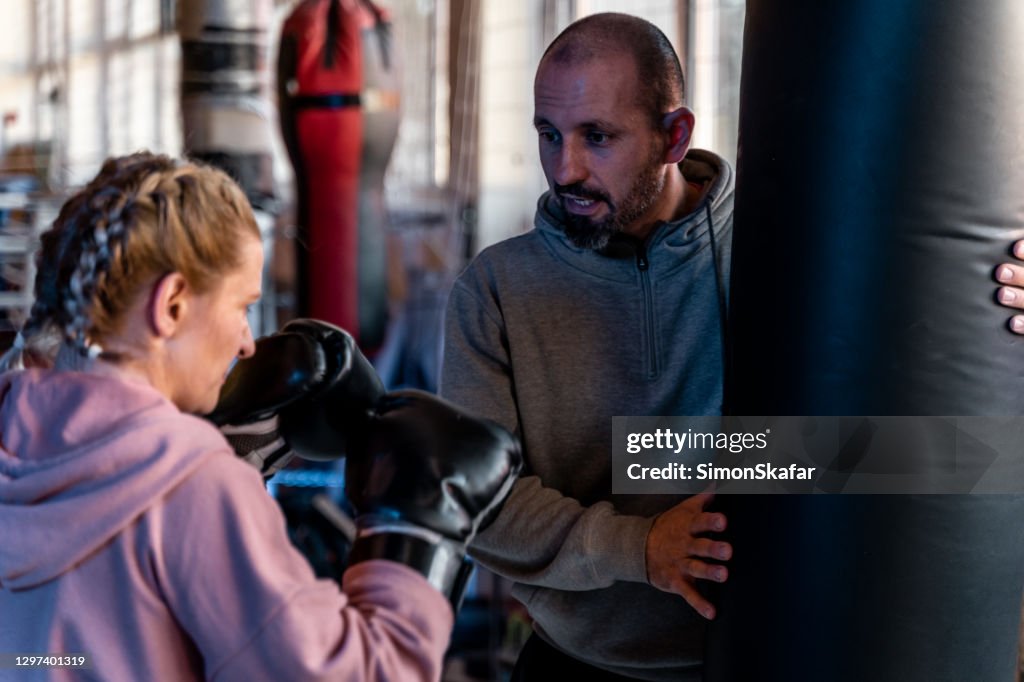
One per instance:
(879, 183)
(225, 83)
(338, 96)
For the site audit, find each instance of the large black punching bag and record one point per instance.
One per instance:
(880, 180)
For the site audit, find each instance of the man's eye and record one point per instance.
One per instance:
(548, 135)
(597, 138)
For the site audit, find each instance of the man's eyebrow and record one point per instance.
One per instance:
(596, 124)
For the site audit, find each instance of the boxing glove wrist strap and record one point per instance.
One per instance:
(441, 561)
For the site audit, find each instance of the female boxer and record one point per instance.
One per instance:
(132, 535)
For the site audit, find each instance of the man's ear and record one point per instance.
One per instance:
(168, 304)
(679, 126)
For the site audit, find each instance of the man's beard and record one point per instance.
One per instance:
(596, 235)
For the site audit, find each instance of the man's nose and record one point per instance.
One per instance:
(570, 167)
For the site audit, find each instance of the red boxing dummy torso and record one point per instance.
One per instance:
(338, 94)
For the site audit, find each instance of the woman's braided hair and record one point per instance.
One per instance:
(143, 216)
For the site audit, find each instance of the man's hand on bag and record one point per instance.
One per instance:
(677, 549)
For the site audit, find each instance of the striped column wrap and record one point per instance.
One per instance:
(225, 86)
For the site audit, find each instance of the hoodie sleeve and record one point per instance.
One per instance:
(541, 537)
(253, 607)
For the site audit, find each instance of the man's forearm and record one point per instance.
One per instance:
(546, 539)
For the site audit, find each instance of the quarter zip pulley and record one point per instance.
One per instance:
(642, 264)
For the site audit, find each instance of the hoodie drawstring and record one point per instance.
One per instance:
(723, 308)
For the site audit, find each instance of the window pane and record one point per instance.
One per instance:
(169, 95)
(85, 150)
(116, 18)
(119, 102)
(145, 18)
(15, 47)
(84, 25)
(142, 133)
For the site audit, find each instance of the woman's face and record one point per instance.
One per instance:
(215, 332)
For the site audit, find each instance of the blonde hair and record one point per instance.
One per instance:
(143, 216)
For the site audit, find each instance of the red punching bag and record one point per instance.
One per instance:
(338, 97)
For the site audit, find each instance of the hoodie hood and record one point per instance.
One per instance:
(82, 457)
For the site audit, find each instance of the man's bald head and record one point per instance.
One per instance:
(660, 81)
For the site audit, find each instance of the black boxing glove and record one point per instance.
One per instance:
(425, 477)
(302, 391)
(317, 426)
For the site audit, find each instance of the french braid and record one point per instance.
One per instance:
(143, 216)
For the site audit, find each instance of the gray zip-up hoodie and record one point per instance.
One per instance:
(552, 341)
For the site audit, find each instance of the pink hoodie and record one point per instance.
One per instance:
(130, 532)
